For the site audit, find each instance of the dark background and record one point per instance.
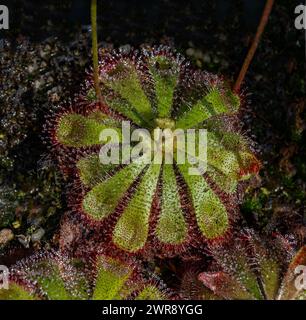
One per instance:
(43, 60)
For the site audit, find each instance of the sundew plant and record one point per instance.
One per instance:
(249, 267)
(144, 206)
(54, 276)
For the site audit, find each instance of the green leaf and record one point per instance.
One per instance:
(103, 199)
(171, 227)
(150, 293)
(111, 279)
(212, 104)
(75, 130)
(210, 212)
(124, 107)
(235, 262)
(225, 286)
(131, 231)
(56, 282)
(92, 171)
(223, 165)
(17, 292)
(270, 275)
(123, 78)
(165, 73)
(289, 290)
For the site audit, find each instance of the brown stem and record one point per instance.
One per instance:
(252, 50)
(94, 38)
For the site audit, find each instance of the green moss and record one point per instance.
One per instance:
(251, 205)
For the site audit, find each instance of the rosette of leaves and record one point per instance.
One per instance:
(145, 206)
(54, 276)
(249, 268)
